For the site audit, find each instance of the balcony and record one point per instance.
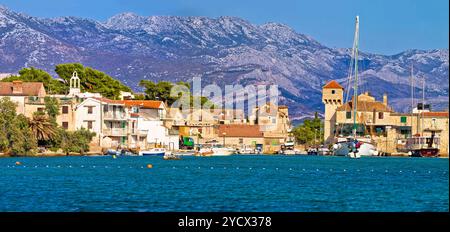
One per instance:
(138, 132)
(121, 116)
(115, 131)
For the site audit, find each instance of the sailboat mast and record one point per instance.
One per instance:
(423, 101)
(412, 97)
(355, 87)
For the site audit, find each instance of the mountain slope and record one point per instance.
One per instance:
(225, 50)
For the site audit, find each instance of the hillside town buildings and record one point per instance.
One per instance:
(389, 129)
(143, 124)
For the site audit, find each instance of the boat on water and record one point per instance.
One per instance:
(420, 145)
(223, 151)
(356, 145)
(247, 151)
(423, 146)
(215, 150)
(288, 149)
(119, 152)
(171, 156)
(184, 152)
(153, 152)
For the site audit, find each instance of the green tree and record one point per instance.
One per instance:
(32, 74)
(161, 91)
(51, 107)
(43, 129)
(76, 141)
(92, 80)
(309, 130)
(15, 137)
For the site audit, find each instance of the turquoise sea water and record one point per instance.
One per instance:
(234, 183)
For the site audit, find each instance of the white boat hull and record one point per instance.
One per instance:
(365, 149)
(222, 151)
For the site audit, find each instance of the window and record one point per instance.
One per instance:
(348, 115)
(40, 109)
(241, 140)
(403, 119)
(274, 120)
(65, 109)
(380, 115)
(90, 109)
(333, 91)
(89, 125)
(65, 125)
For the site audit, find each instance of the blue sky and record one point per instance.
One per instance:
(387, 26)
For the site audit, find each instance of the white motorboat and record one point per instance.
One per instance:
(184, 153)
(223, 151)
(247, 151)
(153, 152)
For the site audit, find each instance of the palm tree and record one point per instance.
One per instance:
(42, 127)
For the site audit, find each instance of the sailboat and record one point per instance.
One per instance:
(420, 145)
(353, 146)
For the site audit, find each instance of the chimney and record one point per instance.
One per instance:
(385, 99)
(17, 87)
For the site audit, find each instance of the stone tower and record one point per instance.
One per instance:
(74, 84)
(332, 97)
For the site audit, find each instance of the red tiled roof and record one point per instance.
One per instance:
(28, 88)
(107, 100)
(149, 104)
(333, 85)
(236, 130)
(366, 106)
(435, 114)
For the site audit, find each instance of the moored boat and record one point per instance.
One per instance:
(170, 156)
(223, 151)
(153, 152)
(423, 146)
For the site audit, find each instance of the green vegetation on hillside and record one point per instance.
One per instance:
(91, 80)
(52, 85)
(161, 91)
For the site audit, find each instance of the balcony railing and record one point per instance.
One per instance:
(115, 131)
(114, 116)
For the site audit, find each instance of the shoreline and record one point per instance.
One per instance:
(41, 155)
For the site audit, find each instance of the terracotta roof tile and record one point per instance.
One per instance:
(28, 88)
(149, 104)
(435, 114)
(236, 130)
(107, 100)
(365, 106)
(333, 85)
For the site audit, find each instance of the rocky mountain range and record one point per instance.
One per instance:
(224, 50)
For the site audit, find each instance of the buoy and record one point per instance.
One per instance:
(149, 166)
(114, 156)
(18, 163)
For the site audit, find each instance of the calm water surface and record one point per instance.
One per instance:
(235, 183)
